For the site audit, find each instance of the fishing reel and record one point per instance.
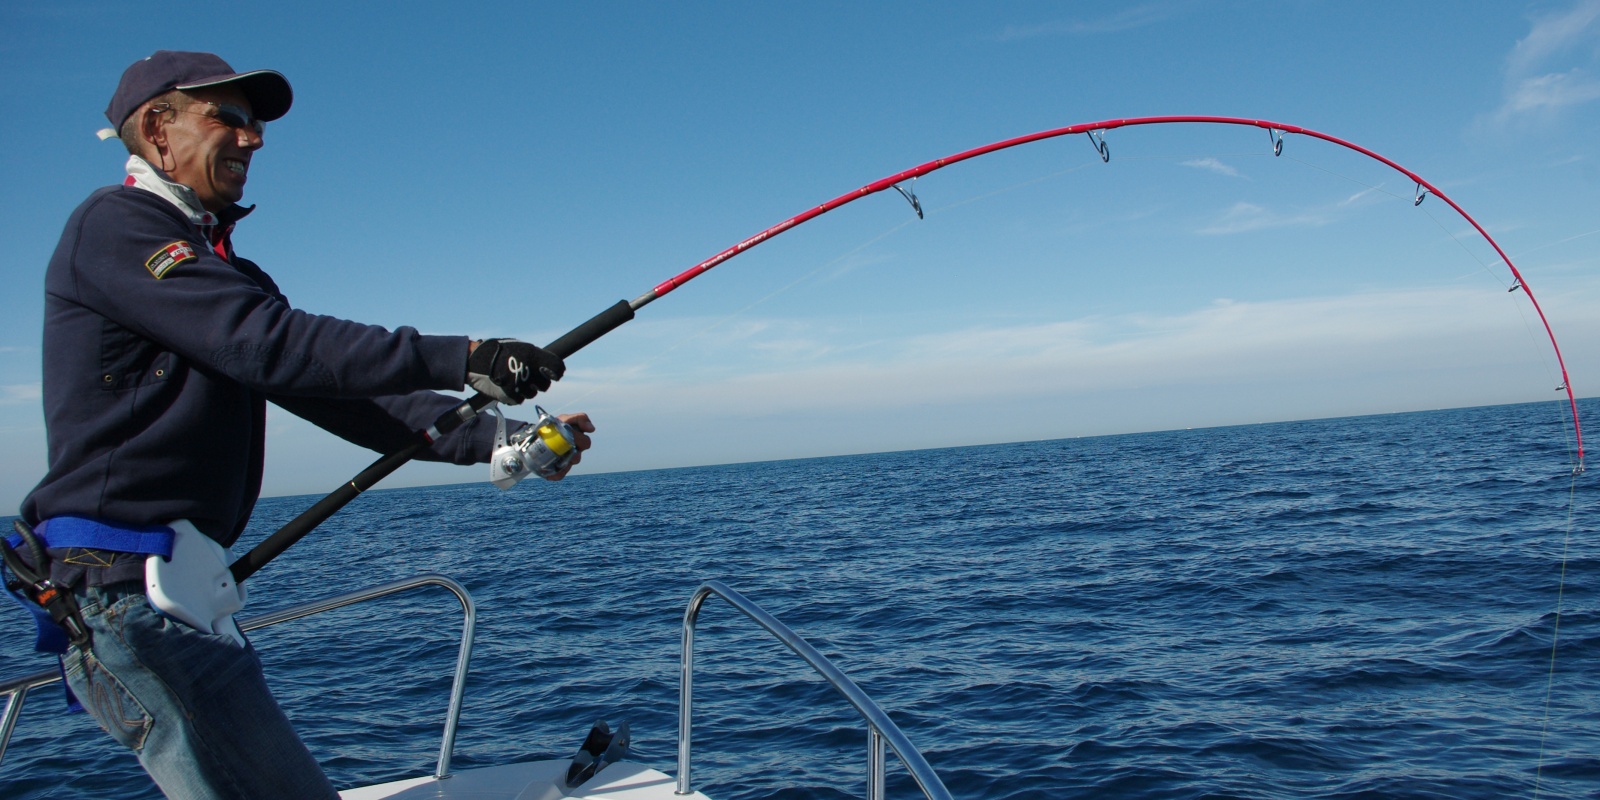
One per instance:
(543, 447)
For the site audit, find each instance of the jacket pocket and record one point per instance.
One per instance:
(129, 361)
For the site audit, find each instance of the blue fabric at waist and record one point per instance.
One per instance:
(62, 532)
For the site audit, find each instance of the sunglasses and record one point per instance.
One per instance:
(229, 115)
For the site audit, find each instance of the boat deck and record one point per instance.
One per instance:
(530, 780)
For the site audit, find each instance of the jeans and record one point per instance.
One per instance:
(194, 706)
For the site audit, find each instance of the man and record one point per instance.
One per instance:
(161, 348)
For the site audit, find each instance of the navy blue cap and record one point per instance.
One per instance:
(268, 91)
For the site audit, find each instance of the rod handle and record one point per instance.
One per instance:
(597, 326)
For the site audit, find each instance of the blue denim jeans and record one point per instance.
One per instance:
(194, 706)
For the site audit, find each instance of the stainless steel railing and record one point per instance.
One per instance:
(879, 727)
(17, 688)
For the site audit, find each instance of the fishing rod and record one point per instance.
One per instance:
(623, 311)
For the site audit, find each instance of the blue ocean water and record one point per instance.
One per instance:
(1343, 608)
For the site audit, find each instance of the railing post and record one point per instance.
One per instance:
(13, 711)
(686, 687)
(458, 687)
(875, 759)
(882, 728)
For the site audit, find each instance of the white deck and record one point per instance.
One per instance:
(530, 780)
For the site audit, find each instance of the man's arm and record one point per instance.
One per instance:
(140, 265)
(387, 424)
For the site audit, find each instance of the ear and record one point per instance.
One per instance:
(152, 128)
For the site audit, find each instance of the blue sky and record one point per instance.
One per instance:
(511, 169)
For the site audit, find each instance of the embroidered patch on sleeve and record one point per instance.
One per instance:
(169, 257)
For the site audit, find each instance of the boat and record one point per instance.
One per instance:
(548, 779)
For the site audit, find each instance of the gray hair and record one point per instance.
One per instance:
(129, 132)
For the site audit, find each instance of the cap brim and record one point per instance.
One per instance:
(268, 91)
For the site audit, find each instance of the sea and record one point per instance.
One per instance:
(1395, 606)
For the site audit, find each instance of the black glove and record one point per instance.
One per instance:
(511, 371)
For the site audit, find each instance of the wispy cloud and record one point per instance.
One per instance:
(1213, 165)
(1554, 35)
(853, 262)
(1553, 67)
(19, 393)
(1549, 92)
(1218, 362)
(1360, 197)
(1126, 19)
(1243, 217)
(1223, 342)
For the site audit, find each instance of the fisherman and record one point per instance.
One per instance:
(161, 350)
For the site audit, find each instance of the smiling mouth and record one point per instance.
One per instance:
(235, 166)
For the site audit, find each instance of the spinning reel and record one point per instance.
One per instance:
(543, 447)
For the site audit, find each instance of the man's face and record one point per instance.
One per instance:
(207, 155)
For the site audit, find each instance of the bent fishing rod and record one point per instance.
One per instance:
(623, 311)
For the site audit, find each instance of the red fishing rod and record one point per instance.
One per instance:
(613, 317)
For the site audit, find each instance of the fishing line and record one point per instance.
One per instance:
(1527, 324)
(1488, 268)
(1566, 426)
(1555, 632)
(1567, 429)
(1522, 314)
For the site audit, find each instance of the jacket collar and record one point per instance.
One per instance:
(154, 181)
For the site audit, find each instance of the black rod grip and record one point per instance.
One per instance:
(460, 415)
(285, 537)
(597, 326)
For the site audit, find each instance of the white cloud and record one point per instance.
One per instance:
(19, 393)
(1213, 165)
(1223, 362)
(1225, 342)
(1550, 91)
(1553, 67)
(1553, 35)
(1243, 217)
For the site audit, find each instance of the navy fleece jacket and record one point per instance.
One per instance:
(159, 357)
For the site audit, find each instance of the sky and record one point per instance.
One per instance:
(511, 169)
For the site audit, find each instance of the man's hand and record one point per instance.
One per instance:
(511, 371)
(581, 427)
